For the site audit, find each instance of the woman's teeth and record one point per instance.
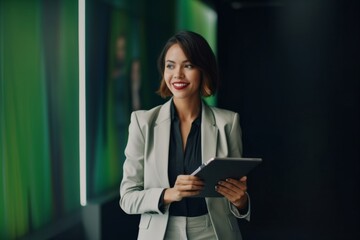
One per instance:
(180, 84)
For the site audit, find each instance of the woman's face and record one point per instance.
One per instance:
(182, 78)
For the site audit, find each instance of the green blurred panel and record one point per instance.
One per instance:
(27, 193)
(2, 129)
(67, 102)
(2, 112)
(26, 182)
(196, 16)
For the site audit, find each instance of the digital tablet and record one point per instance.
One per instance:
(217, 169)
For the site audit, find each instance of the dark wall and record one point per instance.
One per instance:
(160, 25)
(292, 72)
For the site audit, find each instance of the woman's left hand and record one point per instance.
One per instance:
(234, 190)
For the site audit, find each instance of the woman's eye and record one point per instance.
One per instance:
(170, 66)
(189, 66)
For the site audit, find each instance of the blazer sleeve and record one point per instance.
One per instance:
(134, 199)
(235, 135)
(235, 150)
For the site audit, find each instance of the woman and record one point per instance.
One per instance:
(167, 143)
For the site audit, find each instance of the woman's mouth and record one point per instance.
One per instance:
(180, 85)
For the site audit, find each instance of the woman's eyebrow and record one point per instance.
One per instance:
(185, 61)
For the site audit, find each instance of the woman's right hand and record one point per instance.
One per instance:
(185, 186)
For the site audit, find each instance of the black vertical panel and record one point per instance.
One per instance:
(159, 27)
(98, 15)
(291, 70)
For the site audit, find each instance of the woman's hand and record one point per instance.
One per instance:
(234, 190)
(185, 186)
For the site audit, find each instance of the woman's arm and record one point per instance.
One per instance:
(134, 199)
(235, 190)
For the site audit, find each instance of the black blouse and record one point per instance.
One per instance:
(185, 162)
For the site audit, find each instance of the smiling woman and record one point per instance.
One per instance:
(189, 132)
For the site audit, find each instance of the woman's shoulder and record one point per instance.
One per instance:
(222, 112)
(223, 116)
(147, 116)
(147, 113)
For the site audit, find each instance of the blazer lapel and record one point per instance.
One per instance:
(162, 141)
(209, 133)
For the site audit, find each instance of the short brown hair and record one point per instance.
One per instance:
(199, 53)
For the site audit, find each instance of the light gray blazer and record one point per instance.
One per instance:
(145, 170)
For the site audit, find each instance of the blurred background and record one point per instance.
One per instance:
(290, 68)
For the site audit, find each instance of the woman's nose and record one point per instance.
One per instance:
(178, 74)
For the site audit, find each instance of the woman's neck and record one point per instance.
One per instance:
(186, 109)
